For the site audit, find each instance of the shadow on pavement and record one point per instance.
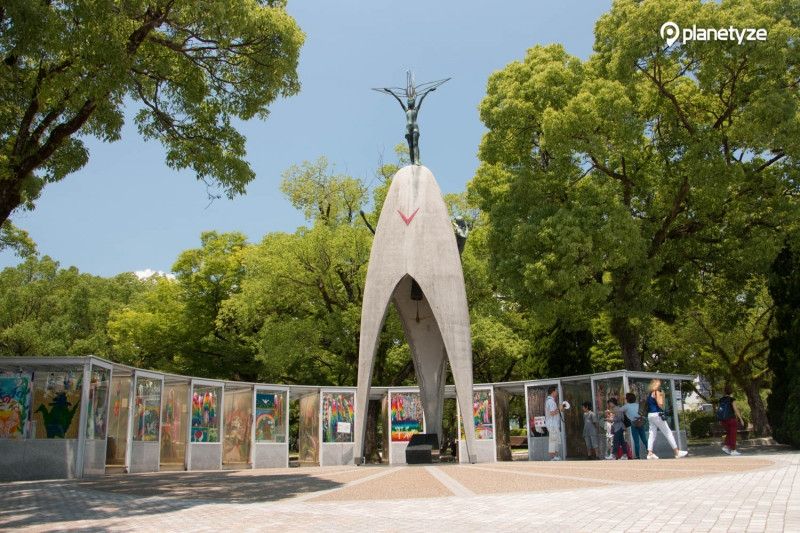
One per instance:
(45, 502)
(715, 450)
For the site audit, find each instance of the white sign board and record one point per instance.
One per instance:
(343, 427)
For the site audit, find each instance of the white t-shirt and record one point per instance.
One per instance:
(551, 421)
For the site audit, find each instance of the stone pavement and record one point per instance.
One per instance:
(755, 492)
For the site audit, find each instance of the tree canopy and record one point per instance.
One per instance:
(49, 310)
(613, 185)
(69, 69)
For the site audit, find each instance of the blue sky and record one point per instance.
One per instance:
(127, 211)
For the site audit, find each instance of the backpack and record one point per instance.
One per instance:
(725, 409)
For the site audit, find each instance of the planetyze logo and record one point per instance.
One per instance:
(671, 32)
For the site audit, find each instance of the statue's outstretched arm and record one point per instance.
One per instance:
(426, 93)
(398, 99)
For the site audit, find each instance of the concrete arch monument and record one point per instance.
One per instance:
(415, 263)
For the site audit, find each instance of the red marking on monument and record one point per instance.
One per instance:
(406, 219)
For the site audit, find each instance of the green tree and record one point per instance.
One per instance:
(725, 338)
(784, 346)
(69, 69)
(151, 331)
(13, 238)
(612, 185)
(46, 310)
(501, 347)
(177, 326)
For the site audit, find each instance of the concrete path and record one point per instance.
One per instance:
(719, 493)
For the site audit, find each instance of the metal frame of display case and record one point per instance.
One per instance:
(92, 362)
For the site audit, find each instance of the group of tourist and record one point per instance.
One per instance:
(617, 419)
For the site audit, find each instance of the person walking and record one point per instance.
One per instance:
(552, 421)
(658, 421)
(637, 423)
(728, 415)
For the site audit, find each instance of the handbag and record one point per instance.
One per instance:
(638, 421)
(625, 420)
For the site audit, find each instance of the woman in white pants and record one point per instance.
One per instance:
(655, 416)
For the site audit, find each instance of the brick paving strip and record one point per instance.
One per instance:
(319, 494)
(543, 475)
(452, 485)
(754, 496)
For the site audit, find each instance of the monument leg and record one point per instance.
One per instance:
(463, 380)
(430, 369)
(376, 301)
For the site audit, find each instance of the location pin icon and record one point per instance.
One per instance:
(670, 32)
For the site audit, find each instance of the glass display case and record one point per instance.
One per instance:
(238, 425)
(117, 441)
(205, 413)
(271, 414)
(97, 414)
(337, 416)
(308, 430)
(56, 403)
(15, 404)
(174, 423)
(604, 389)
(147, 409)
(406, 417)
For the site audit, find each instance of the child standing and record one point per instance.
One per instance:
(609, 423)
(590, 431)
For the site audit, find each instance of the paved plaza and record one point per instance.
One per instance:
(755, 492)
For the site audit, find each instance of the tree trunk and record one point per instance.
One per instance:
(628, 338)
(501, 425)
(758, 412)
(9, 199)
(371, 454)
